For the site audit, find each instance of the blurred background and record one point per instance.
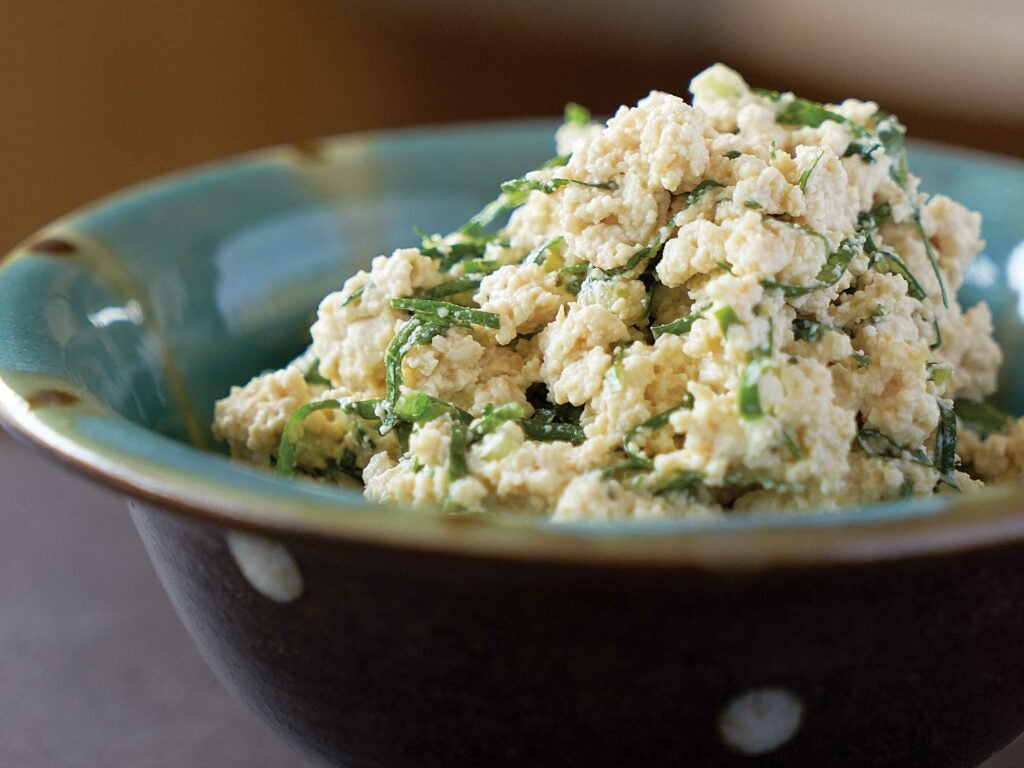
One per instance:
(97, 94)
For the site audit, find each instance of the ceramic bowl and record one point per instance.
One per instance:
(370, 636)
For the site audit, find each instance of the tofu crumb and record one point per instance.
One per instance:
(737, 306)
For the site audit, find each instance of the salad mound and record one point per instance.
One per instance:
(738, 306)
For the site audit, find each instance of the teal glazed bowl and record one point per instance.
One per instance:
(371, 636)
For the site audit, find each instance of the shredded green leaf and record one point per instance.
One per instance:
(931, 256)
(576, 114)
(636, 458)
(875, 443)
(940, 373)
(312, 375)
(748, 393)
(535, 429)
(835, 266)
(558, 161)
(685, 481)
(421, 408)
(494, 418)
(811, 330)
(356, 294)
(450, 288)
(732, 154)
(982, 418)
(446, 310)
(725, 316)
(663, 233)
(945, 445)
(680, 325)
(292, 433)
(791, 444)
(806, 175)
(890, 133)
(421, 329)
(752, 205)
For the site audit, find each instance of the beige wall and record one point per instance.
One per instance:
(96, 94)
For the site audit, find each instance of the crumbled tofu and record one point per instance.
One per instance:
(693, 311)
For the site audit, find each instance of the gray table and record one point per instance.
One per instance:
(95, 669)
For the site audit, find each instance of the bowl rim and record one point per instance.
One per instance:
(994, 517)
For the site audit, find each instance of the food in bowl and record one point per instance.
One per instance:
(739, 306)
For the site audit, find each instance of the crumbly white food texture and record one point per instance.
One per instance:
(698, 310)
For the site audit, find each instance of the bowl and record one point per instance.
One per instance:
(372, 636)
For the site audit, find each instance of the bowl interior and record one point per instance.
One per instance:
(155, 302)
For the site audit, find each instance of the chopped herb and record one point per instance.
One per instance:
(663, 233)
(494, 418)
(732, 154)
(772, 149)
(550, 248)
(558, 161)
(480, 266)
(890, 263)
(347, 465)
(938, 334)
(810, 330)
(945, 445)
(576, 114)
(446, 310)
(724, 265)
(566, 413)
(890, 133)
(726, 316)
(636, 459)
(680, 325)
(617, 372)
(940, 373)
(421, 408)
(791, 444)
(356, 294)
(931, 256)
(518, 189)
(752, 205)
(831, 271)
(875, 443)
(364, 409)
(292, 433)
(982, 418)
(748, 394)
(862, 360)
(421, 329)
(312, 375)
(799, 111)
(451, 288)
(806, 175)
(547, 431)
(457, 452)
(684, 481)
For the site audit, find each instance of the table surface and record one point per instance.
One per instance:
(95, 668)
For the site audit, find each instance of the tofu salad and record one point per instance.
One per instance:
(737, 306)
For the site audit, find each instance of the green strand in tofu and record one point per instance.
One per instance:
(680, 325)
(944, 455)
(446, 310)
(982, 418)
(806, 175)
(292, 433)
(636, 459)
